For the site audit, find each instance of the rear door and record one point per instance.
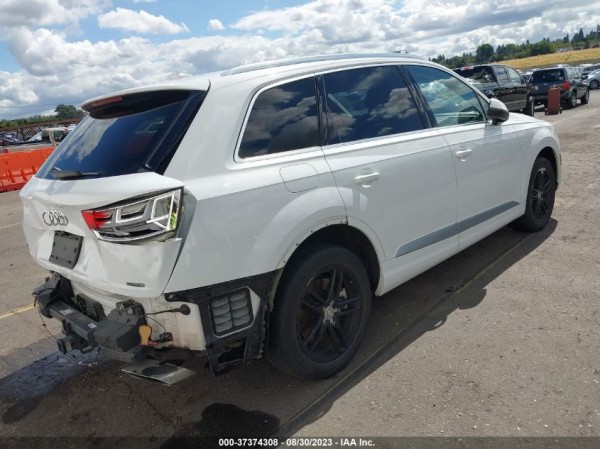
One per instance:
(394, 172)
(486, 156)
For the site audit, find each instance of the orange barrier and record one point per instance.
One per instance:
(18, 167)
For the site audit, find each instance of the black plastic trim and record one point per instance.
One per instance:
(239, 346)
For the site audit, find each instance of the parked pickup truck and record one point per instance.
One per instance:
(569, 79)
(504, 83)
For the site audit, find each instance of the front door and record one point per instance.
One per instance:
(486, 156)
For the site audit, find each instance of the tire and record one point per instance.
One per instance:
(530, 107)
(594, 84)
(572, 101)
(586, 98)
(316, 325)
(540, 197)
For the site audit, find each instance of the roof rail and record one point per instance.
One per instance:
(306, 59)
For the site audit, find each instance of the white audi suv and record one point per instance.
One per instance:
(259, 210)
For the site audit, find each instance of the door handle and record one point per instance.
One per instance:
(463, 154)
(367, 180)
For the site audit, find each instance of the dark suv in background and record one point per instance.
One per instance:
(568, 79)
(502, 82)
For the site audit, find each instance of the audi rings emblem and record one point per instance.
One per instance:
(55, 218)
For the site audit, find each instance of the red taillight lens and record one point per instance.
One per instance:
(567, 85)
(94, 218)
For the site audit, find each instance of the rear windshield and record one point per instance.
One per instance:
(124, 135)
(547, 76)
(481, 74)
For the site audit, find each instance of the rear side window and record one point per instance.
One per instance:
(283, 118)
(124, 135)
(451, 101)
(368, 102)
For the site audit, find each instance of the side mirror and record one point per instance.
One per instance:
(497, 111)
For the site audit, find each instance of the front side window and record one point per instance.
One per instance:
(451, 101)
(501, 75)
(366, 103)
(283, 118)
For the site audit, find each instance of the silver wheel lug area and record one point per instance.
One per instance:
(329, 314)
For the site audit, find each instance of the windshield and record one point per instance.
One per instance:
(127, 134)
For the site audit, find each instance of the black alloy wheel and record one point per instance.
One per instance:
(572, 102)
(329, 314)
(541, 193)
(594, 84)
(530, 107)
(586, 98)
(320, 313)
(540, 197)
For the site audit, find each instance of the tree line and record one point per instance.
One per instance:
(486, 53)
(63, 112)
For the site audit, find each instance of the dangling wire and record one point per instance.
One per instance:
(46, 326)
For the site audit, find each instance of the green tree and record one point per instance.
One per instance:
(484, 53)
(541, 48)
(578, 37)
(67, 111)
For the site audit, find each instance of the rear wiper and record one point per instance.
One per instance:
(59, 173)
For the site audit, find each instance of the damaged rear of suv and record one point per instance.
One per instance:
(102, 217)
(258, 210)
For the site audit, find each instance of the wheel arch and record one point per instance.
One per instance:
(548, 153)
(343, 235)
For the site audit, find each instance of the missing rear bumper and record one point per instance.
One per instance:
(84, 325)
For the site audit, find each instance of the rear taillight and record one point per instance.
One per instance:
(155, 217)
(567, 85)
(94, 219)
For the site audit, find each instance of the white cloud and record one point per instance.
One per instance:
(14, 90)
(57, 68)
(34, 13)
(139, 22)
(215, 25)
(335, 17)
(144, 1)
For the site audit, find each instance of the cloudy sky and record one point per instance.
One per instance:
(65, 51)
